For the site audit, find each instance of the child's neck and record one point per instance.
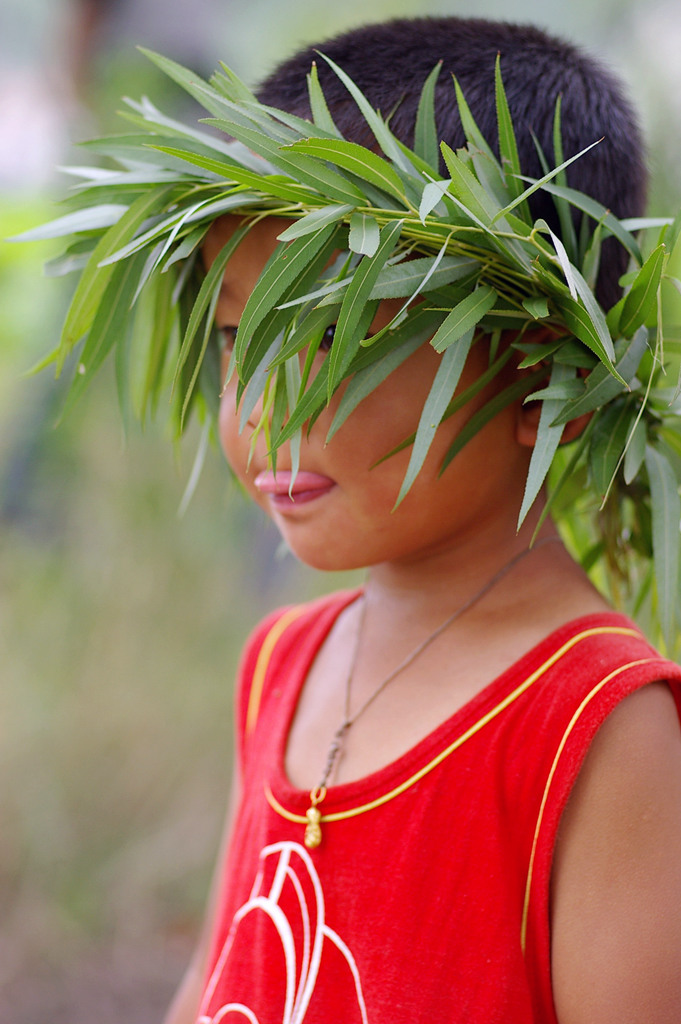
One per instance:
(403, 605)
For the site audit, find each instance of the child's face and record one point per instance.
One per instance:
(339, 515)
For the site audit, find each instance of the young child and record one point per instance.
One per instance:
(458, 789)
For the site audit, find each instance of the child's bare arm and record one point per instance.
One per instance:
(616, 919)
(185, 1005)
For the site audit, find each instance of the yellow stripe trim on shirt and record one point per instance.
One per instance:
(475, 728)
(264, 655)
(566, 735)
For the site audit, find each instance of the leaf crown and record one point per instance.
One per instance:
(462, 252)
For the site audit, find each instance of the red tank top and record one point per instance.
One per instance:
(428, 898)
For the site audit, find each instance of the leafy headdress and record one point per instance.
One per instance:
(463, 254)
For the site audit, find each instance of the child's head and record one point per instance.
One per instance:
(390, 62)
(338, 511)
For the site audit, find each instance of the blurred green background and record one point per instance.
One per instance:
(120, 621)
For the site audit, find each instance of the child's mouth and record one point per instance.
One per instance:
(284, 491)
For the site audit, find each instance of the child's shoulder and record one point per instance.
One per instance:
(616, 886)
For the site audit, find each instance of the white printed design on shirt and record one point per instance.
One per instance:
(302, 941)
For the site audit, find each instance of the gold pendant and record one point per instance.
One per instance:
(313, 831)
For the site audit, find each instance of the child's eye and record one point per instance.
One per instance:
(327, 338)
(228, 337)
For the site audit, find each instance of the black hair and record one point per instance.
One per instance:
(390, 61)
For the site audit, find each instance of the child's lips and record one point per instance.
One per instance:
(285, 491)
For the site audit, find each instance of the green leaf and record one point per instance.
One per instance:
(308, 331)
(315, 220)
(508, 147)
(188, 80)
(597, 211)
(207, 296)
(282, 269)
(425, 129)
(348, 334)
(537, 306)
(304, 169)
(109, 327)
(578, 320)
(642, 299)
(541, 182)
(666, 509)
(364, 234)
(95, 279)
(309, 405)
(472, 198)
(361, 162)
(465, 315)
(440, 395)
(401, 279)
(601, 386)
(609, 439)
(318, 105)
(636, 450)
(432, 195)
(92, 219)
(567, 226)
(548, 439)
(380, 129)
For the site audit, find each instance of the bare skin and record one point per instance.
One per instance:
(616, 887)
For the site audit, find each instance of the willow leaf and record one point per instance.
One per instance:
(188, 80)
(304, 169)
(425, 129)
(308, 331)
(601, 385)
(474, 136)
(283, 268)
(348, 336)
(207, 296)
(315, 220)
(95, 278)
(666, 510)
(564, 260)
(361, 162)
(92, 219)
(540, 182)
(548, 439)
(610, 436)
(598, 212)
(439, 397)
(583, 327)
(404, 279)
(432, 194)
(537, 306)
(465, 315)
(380, 129)
(256, 385)
(108, 328)
(642, 299)
(309, 405)
(508, 147)
(475, 200)
(364, 234)
(567, 227)
(636, 450)
(321, 114)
